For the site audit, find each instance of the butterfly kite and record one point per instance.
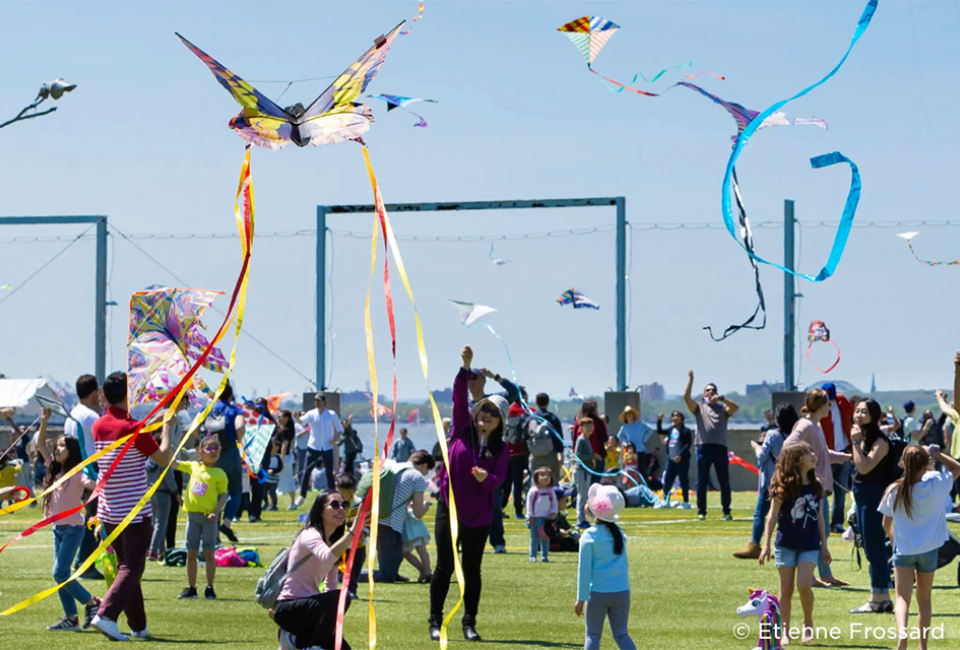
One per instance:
(396, 101)
(819, 332)
(909, 236)
(590, 33)
(333, 117)
(497, 261)
(165, 340)
(578, 300)
(743, 117)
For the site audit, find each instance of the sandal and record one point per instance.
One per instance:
(837, 582)
(820, 584)
(872, 607)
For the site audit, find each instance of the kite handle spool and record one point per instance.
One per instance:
(24, 491)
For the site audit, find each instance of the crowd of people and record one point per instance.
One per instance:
(900, 480)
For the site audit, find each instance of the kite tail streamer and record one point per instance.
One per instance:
(747, 235)
(835, 363)
(623, 86)
(927, 262)
(853, 196)
(245, 223)
(424, 366)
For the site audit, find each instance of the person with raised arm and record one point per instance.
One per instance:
(711, 413)
(478, 458)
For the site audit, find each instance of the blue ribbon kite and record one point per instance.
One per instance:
(853, 196)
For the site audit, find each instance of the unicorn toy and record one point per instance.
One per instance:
(766, 608)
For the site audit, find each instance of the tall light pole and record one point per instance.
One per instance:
(54, 89)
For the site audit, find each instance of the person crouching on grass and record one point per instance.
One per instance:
(914, 519)
(205, 497)
(795, 496)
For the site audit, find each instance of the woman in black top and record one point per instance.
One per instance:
(871, 456)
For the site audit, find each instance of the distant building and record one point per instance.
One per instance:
(652, 392)
(765, 388)
(873, 383)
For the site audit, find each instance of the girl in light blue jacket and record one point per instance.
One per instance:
(603, 577)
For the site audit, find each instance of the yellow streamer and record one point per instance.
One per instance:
(241, 306)
(424, 366)
(375, 488)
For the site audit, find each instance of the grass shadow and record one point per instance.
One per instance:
(536, 644)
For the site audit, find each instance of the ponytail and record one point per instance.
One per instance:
(915, 460)
(617, 534)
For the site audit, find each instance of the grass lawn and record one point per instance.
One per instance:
(686, 588)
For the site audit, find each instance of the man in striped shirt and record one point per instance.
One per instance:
(121, 494)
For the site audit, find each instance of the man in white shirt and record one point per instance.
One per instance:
(913, 432)
(84, 414)
(80, 426)
(325, 430)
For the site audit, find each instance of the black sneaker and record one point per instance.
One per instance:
(89, 611)
(209, 593)
(91, 574)
(65, 625)
(229, 533)
(189, 592)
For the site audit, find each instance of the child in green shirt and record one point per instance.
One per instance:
(204, 498)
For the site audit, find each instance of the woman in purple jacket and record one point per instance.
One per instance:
(478, 465)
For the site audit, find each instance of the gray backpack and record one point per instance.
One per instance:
(269, 586)
(539, 437)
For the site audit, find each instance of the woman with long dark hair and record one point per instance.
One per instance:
(286, 432)
(307, 617)
(872, 459)
(478, 465)
(68, 532)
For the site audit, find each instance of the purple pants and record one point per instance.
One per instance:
(125, 595)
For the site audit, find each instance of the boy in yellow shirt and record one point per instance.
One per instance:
(204, 498)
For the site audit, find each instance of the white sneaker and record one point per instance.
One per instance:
(685, 506)
(660, 506)
(108, 628)
(142, 634)
(287, 642)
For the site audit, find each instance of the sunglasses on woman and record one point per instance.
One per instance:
(490, 410)
(337, 505)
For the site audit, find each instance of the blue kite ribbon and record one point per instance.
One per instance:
(846, 221)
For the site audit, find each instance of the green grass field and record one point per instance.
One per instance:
(686, 588)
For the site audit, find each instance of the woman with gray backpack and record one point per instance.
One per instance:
(306, 615)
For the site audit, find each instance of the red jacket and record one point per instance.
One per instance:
(846, 414)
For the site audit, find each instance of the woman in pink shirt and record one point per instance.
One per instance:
(308, 617)
(67, 532)
(816, 406)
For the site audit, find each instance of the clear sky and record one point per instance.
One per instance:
(144, 139)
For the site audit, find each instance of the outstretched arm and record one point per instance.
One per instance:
(42, 436)
(461, 401)
(956, 381)
(945, 406)
(687, 393)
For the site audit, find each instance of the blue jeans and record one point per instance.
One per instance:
(232, 468)
(715, 455)
(535, 540)
(389, 555)
(841, 484)
(760, 515)
(679, 470)
(870, 523)
(66, 543)
(822, 567)
(496, 524)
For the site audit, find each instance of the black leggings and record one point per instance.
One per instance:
(472, 541)
(312, 621)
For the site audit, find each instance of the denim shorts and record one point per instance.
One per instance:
(787, 557)
(922, 562)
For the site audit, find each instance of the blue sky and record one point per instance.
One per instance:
(144, 139)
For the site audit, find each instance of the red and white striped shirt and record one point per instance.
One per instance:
(128, 483)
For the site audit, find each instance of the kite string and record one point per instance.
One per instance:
(45, 264)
